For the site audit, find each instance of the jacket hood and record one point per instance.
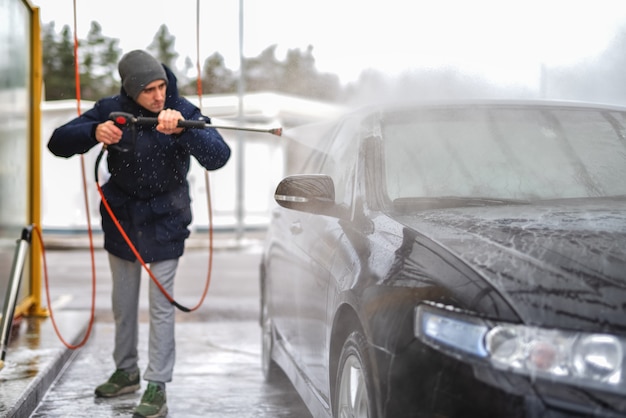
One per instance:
(561, 265)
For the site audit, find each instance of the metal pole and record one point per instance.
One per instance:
(12, 292)
(240, 203)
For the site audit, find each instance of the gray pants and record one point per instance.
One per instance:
(125, 297)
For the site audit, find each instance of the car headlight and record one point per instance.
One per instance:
(581, 359)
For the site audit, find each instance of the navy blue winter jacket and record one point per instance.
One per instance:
(148, 190)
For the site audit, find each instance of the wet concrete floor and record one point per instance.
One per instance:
(218, 365)
(217, 374)
(34, 359)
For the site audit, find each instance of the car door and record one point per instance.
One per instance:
(296, 268)
(320, 239)
(301, 263)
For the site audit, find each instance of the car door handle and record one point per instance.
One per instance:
(296, 228)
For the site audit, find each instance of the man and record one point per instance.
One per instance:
(149, 195)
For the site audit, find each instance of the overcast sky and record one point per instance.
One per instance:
(504, 40)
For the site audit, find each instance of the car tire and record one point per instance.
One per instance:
(353, 389)
(268, 365)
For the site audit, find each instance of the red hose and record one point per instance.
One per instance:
(47, 286)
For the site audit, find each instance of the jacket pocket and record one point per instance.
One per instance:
(172, 216)
(117, 201)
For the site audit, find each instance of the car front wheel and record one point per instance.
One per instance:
(353, 391)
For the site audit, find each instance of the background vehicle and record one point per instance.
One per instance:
(446, 260)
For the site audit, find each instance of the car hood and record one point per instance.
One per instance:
(559, 264)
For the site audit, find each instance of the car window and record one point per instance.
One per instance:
(340, 161)
(313, 162)
(308, 146)
(508, 153)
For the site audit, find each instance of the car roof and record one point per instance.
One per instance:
(317, 135)
(378, 110)
(490, 103)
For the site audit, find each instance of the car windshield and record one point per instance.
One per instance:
(508, 153)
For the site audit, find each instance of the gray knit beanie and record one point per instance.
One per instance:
(137, 70)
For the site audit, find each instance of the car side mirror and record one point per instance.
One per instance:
(314, 193)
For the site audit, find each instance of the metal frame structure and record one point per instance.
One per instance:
(30, 304)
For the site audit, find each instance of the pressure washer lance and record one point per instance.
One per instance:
(126, 119)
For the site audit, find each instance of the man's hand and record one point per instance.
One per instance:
(108, 133)
(168, 122)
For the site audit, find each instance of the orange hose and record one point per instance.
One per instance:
(206, 173)
(38, 229)
(47, 287)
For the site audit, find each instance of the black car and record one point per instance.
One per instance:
(453, 260)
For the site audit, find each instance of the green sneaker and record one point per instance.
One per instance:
(119, 383)
(152, 403)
